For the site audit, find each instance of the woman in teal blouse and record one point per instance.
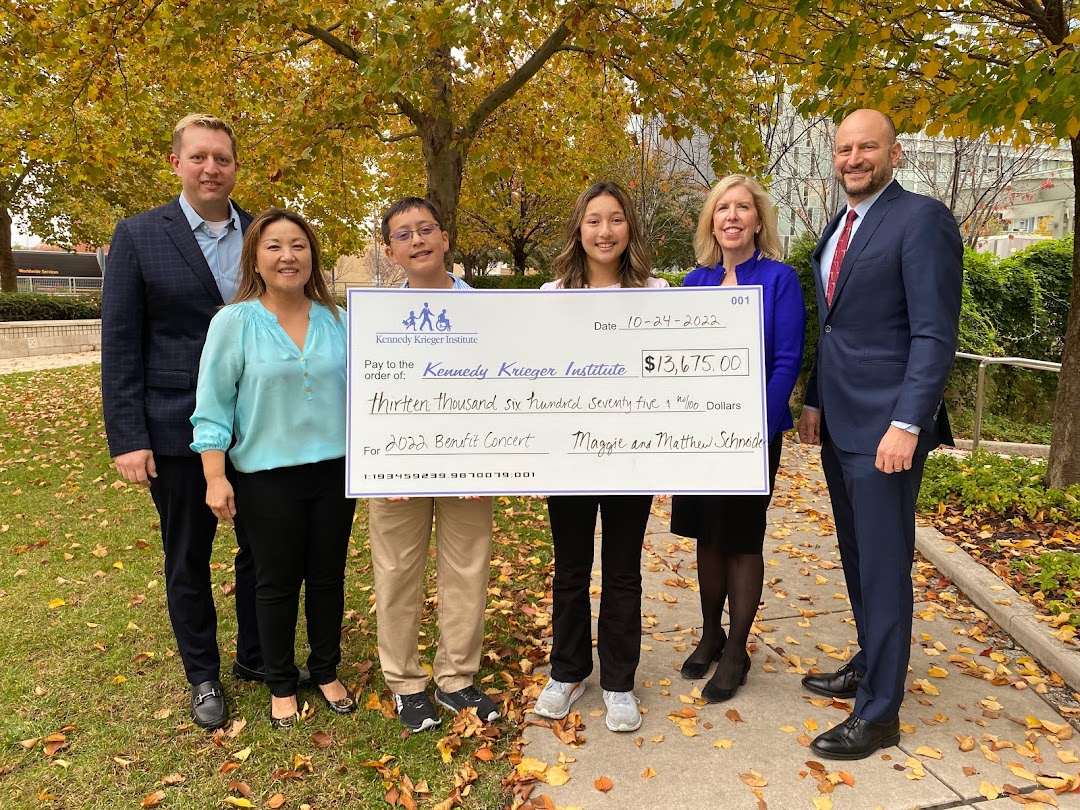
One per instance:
(271, 393)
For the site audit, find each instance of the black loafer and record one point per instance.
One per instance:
(208, 705)
(843, 683)
(856, 738)
(243, 673)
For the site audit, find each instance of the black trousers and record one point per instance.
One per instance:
(573, 525)
(298, 520)
(187, 534)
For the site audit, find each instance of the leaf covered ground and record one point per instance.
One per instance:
(95, 703)
(1000, 512)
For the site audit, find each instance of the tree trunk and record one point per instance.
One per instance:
(1064, 466)
(8, 280)
(521, 256)
(444, 159)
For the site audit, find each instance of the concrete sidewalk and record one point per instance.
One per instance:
(14, 365)
(974, 722)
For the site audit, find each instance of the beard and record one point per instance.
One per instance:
(880, 176)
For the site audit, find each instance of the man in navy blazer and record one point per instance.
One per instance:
(168, 271)
(889, 272)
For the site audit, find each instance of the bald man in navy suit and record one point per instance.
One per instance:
(888, 272)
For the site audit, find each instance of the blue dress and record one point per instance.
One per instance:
(738, 521)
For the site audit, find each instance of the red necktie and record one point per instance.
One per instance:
(838, 256)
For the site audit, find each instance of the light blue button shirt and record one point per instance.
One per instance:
(285, 406)
(458, 284)
(829, 250)
(222, 252)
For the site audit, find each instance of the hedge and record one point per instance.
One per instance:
(37, 307)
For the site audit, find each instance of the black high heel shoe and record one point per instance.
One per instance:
(716, 694)
(694, 670)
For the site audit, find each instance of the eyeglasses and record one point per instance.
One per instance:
(424, 230)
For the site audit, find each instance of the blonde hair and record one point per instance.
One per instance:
(635, 267)
(707, 250)
(251, 283)
(201, 120)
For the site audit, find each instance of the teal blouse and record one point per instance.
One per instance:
(284, 406)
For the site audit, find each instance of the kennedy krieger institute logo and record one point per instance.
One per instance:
(426, 327)
(421, 322)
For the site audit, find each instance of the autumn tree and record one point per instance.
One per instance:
(953, 67)
(526, 172)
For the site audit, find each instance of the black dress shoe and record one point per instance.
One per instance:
(243, 673)
(712, 693)
(208, 705)
(856, 738)
(693, 670)
(843, 683)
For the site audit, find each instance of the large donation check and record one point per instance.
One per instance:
(556, 392)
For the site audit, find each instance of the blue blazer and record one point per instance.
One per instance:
(157, 300)
(887, 343)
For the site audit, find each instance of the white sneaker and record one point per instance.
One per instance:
(622, 711)
(557, 697)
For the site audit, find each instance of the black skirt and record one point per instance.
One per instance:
(734, 522)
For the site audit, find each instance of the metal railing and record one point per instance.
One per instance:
(58, 285)
(980, 386)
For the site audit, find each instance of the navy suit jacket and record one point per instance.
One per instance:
(887, 343)
(157, 301)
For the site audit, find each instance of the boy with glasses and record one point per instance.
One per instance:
(401, 529)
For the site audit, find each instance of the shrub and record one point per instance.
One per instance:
(510, 282)
(988, 483)
(37, 307)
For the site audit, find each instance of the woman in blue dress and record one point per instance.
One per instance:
(737, 242)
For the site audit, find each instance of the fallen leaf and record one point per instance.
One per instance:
(153, 799)
(722, 744)
(275, 801)
(603, 784)
(556, 775)
(988, 791)
(648, 773)
(753, 779)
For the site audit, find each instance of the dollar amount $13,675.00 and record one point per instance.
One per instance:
(695, 363)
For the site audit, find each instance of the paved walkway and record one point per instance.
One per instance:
(17, 364)
(974, 723)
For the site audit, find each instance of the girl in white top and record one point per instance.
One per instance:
(605, 247)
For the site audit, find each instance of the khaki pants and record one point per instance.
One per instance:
(400, 537)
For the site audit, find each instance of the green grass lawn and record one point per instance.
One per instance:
(95, 705)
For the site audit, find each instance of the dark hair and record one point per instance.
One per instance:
(635, 267)
(409, 204)
(251, 283)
